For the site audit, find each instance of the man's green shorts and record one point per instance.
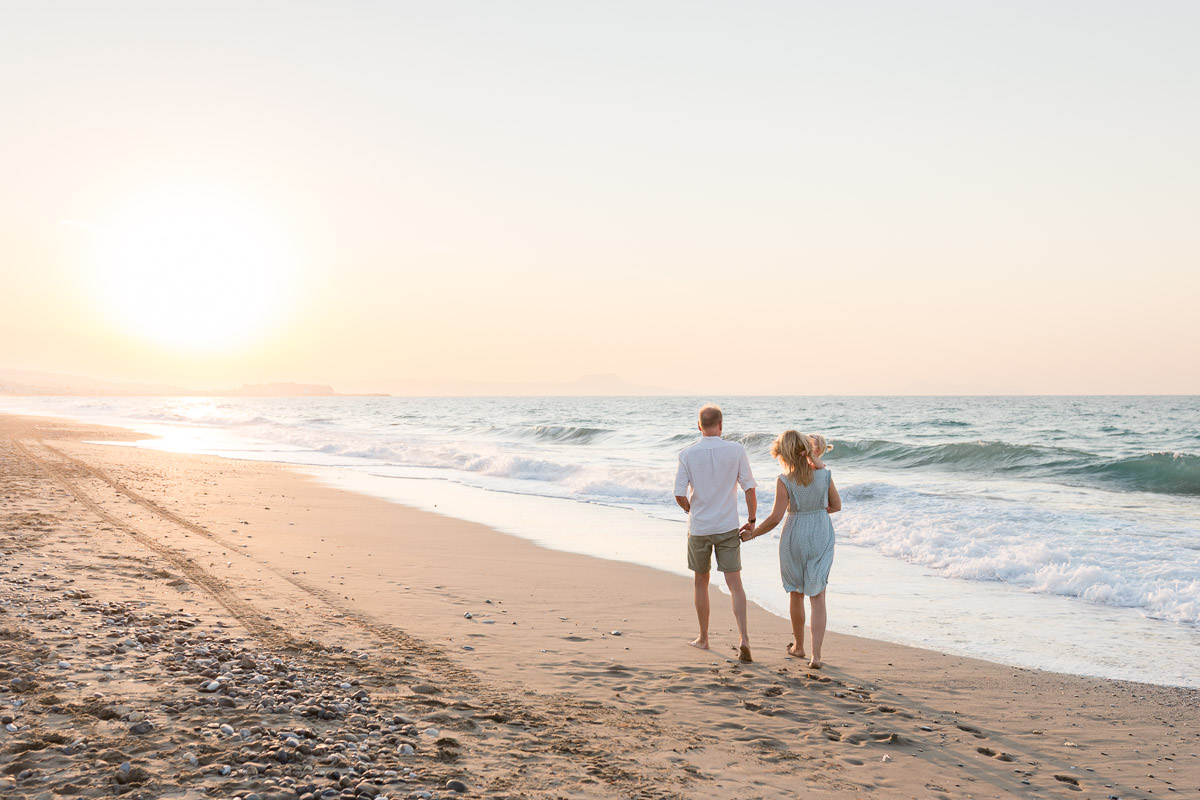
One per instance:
(727, 545)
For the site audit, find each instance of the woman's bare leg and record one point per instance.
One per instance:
(818, 627)
(796, 606)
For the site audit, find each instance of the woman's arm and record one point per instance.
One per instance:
(777, 512)
(835, 499)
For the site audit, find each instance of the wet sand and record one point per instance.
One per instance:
(186, 626)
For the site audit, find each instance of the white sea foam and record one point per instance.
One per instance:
(1088, 556)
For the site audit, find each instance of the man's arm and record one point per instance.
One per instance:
(682, 479)
(746, 481)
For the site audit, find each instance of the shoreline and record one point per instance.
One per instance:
(857, 603)
(922, 561)
(545, 697)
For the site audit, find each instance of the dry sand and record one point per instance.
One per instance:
(184, 626)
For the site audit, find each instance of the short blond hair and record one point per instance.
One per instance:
(710, 416)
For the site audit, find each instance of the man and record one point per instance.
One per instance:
(706, 489)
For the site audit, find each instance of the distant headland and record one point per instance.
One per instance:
(27, 383)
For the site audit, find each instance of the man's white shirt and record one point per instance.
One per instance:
(713, 468)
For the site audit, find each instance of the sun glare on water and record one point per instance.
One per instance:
(191, 275)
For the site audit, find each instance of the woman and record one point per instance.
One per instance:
(805, 492)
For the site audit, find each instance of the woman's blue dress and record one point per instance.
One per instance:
(806, 544)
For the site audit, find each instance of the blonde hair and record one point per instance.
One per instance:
(794, 449)
(819, 448)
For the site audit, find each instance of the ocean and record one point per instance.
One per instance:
(1059, 533)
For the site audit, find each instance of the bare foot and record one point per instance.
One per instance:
(814, 664)
(698, 643)
(795, 652)
(744, 653)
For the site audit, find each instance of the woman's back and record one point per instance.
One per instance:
(814, 497)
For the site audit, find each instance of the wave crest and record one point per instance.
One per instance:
(562, 434)
(1161, 473)
(1165, 473)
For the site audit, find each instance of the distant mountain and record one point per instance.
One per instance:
(32, 383)
(23, 382)
(280, 390)
(608, 385)
(611, 384)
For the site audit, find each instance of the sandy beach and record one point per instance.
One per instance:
(186, 626)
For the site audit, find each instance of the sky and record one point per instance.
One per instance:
(725, 198)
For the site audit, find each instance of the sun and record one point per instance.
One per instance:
(191, 274)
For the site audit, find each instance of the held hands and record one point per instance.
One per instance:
(746, 532)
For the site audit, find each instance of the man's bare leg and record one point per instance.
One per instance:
(738, 595)
(700, 587)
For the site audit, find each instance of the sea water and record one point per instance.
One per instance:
(1052, 532)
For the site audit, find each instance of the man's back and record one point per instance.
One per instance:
(713, 468)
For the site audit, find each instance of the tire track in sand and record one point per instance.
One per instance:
(244, 612)
(545, 719)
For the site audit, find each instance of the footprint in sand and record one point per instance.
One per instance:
(978, 734)
(987, 751)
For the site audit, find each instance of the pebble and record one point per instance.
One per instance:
(203, 668)
(615, 633)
